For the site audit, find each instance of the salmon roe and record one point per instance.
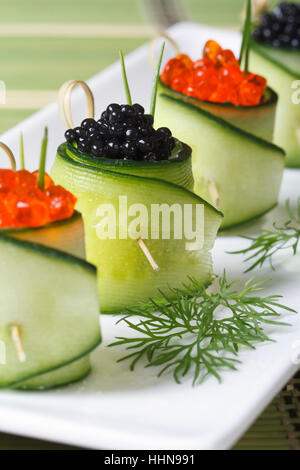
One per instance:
(217, 78)
(23, 204)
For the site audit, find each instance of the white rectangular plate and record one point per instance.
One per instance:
(118, 409)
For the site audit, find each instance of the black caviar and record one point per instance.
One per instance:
(123, 132)
(281, 28)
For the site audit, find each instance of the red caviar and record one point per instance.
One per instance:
(23, 204)
(217, 78)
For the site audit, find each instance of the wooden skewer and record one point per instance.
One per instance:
(64, 101)
(148, 255)
(17, 339)
(151, 47)
(10, 155)
(213, 190)
(259, 7)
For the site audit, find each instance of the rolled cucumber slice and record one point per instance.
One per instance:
(125, 276)
(282, 69)
(177, 169)
(287, 59)
(51, 298)
(258, 120)
(232, 168)
(66, 375)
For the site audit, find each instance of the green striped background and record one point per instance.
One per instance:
(29, 63)
(33, 63)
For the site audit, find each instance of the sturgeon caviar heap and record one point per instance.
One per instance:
(123, 132)
(217, 78)
(281, 28)
(23, 204)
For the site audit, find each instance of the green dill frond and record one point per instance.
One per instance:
(186, 334)
(263, 248)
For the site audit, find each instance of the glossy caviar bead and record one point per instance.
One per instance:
(103, 127)
(181, 81)
(113, 107)
(250, 90)
(81, 139)
(116, 130)
(94, 137)
(145, 145)
(77, 131)
(177, 71)
(139, 110)
(97, 149)
(131, 134)
(185, 61)
(211, 50)
(113, 149)
(165, 131)
(31, 211)
(25, 179)
(127, 110)
(70, 136)
(83, 147)
(7, 180)
(6, 218)
(61, 204)
(9, 202)
(227, 57)
(115, 116)
(205, 83)
(87, 123)
(129, 150)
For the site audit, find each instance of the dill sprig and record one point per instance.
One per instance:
(189, 333)
(265, 246)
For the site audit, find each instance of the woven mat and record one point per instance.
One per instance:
(34, 66)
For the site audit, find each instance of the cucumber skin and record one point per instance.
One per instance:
(51, 253)
(288, 113)
(125, 277)
(66, 375)
(177, 170)
(257, 120)
(172, 113)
